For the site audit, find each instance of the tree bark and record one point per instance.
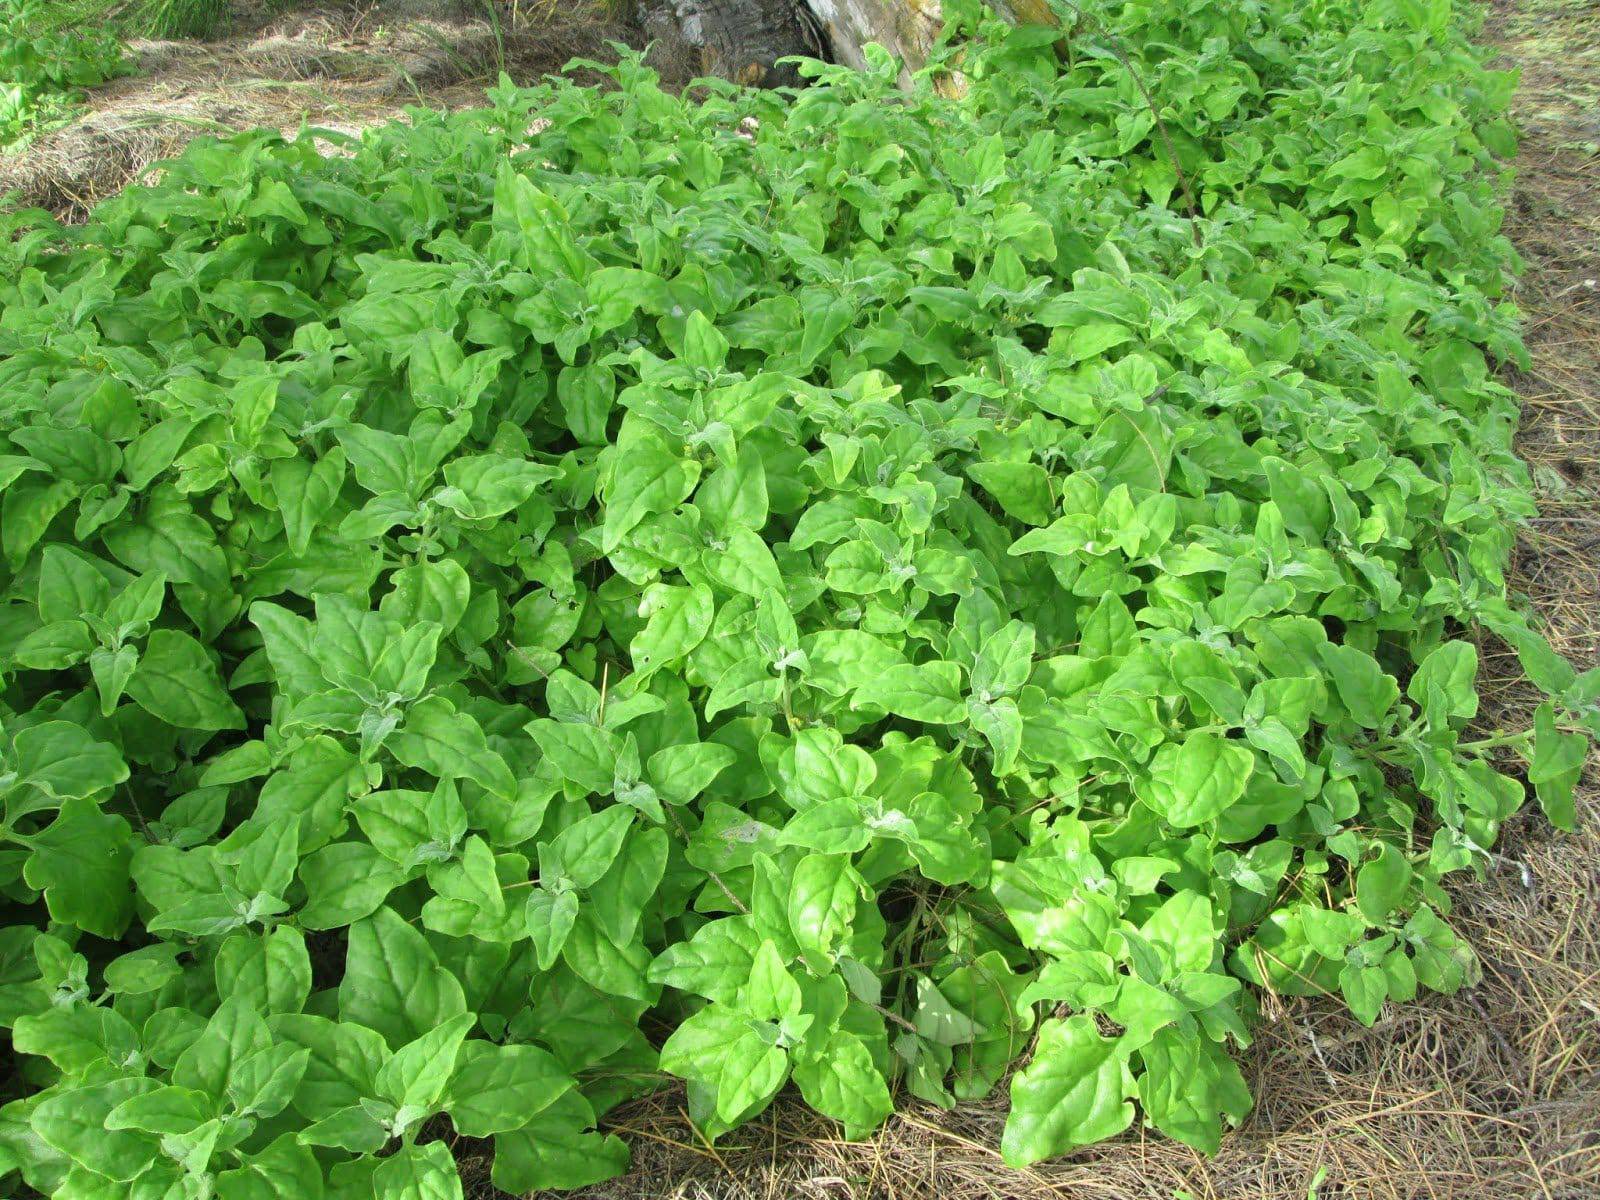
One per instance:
(737, 39)
(741, 39)
(906, 28)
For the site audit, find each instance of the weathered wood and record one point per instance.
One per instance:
(737, 39)
(740, 39)
(904, 27)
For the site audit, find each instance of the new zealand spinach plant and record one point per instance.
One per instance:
(849, 590)
(45, 60)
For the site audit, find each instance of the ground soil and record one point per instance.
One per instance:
(1493, 1094)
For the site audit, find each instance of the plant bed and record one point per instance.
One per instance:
(878, 592)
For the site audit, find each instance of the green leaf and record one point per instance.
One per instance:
(1184, 929)
(393, 982)
(283, 1168)
(832, 827)
(1381, 883)
(73, 1122)
(177, 682)
(930, 692)
(1555, 767)
(271, 972)
(80, 863)
(677, 620)
(417, 1173)
(580, 753)
(843, 1082)
(69, 586)
(714, 963)
(722, 1049)
(496, 1089)
(681, 773)
(111, 670)
(770, 992)
(620, 898)
(343, 1065)
(416, 1075)
(939, 1021)
(449, 745)
(75, 1037)
(1188, 1086)
(55, 647)
(1196, 780)
(550, 917)
(233, 1033)
(647, 477)
(586, 849)
(263, 1083)
(345, 882)
(1365, 691)
(1022, 489)
(557, 1150)
(305, 493)
(64, 762)
(1443, 683)
(822, 901)
(1074, 1092)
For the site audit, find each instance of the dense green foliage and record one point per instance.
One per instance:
(44, 63)
(836, 589)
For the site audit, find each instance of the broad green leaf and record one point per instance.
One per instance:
(177, 682)
(1557, 762)
(393, 982)
(1361, 685)
(271, 972)
(73, 1122)
(1196, 780)
(64, 762)
(843, 1082)
(496, 1089)
(80, 863)
(1075, 1091)
(557, 1150)
(822, 901)
(1381, 883)
(647, 477)
(417, 1173)
(416, 1075)
(930, 692)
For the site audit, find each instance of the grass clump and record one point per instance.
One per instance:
(182, 18)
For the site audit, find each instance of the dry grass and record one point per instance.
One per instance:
(339, 67)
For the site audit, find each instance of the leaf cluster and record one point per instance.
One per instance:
(843, 589)
(43, 64)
